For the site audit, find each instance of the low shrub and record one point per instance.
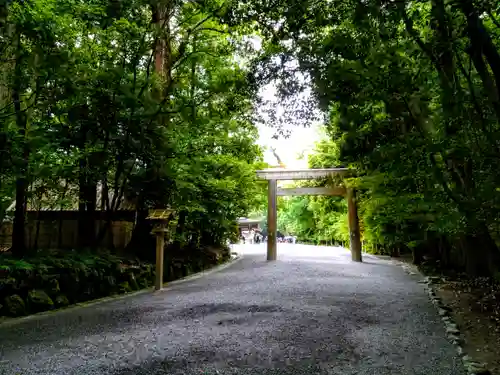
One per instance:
(39, 300)
(14, 306)
(62, 301)
(52, 279)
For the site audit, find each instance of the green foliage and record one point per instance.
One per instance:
(53, 279)
(39, 300)
(410, 92)
(85, 114)
(61, 301)
(316, 219)
(57, 278)
(14, 305)
(124, 287)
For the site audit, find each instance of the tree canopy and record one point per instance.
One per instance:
(153, 104)
(410, 92)
(109, 105)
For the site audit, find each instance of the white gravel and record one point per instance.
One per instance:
(311, 312)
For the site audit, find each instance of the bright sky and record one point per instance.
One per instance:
(300, 142)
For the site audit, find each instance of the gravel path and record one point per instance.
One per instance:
(311, 312)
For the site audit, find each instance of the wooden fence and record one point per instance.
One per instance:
(59, 229)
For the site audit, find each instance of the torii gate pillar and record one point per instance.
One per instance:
(273, 175)
(272, 227)
(354, 235)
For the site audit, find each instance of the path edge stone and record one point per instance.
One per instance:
(8, 322)
(453, 333)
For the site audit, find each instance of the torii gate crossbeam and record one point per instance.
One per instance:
(273, 175)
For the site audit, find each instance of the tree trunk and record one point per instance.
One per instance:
(87, 201)
(18, 240)
(482, 255)
(480, 39)
(143, 243)
(18, 237)
(91, 200)
(37, 232)
(83, 231)
(445, 64)
(488, 84)
(103, 231)
(60, 232)
(418, 255)
(444, 252)
(60, 226)
(179, 230)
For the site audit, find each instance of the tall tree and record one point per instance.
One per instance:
(409, 95)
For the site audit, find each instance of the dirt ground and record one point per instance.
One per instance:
(476, 310)
(475, 305)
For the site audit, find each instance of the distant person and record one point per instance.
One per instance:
(280, 236)
(251, 237)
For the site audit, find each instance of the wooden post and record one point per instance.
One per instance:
(271, 220)
(161, 218)
(354, 235)
(160, 250)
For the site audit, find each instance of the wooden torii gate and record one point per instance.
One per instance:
(274, 174)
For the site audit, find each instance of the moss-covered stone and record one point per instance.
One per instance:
(8, 286)
(133, 282)
(88, 291)
(146, 274)
(70, 283)
(110, 281)
(56, 279)
(107, 286)
(147, 270)
(15, 306)
(135, 269)
(39, 300)
(53, 287)
(124, 287)
(62, 300)
(143, 282)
